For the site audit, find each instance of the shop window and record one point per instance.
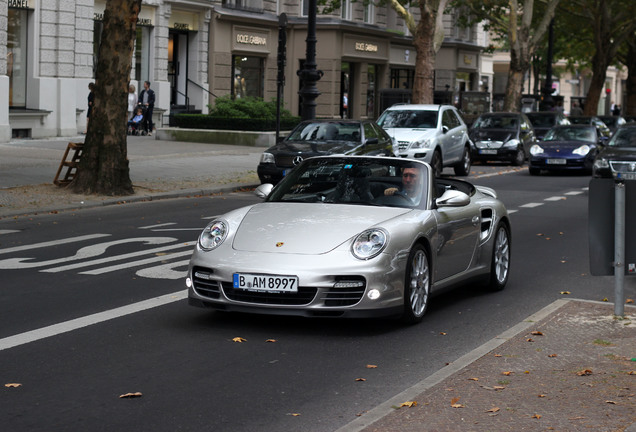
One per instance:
(16, 57)
(402, 78)
(246, 5)
(142, 54)
(248, 73)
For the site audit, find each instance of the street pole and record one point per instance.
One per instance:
(619, 247)
(308, 74)
(547, 103)
(281, 61)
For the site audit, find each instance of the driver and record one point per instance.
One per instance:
(412, 179)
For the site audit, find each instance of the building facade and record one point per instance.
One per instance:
(193, 51)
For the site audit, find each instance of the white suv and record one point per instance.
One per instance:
(432, 133)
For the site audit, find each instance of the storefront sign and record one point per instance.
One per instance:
(185, 21)
(467, 61)
(250, 39)
(367, 47)
(145, 17)
(19, 4)
(364, 48)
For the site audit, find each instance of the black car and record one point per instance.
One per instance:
(502, 136)
(319, 138)
(613, 122)
(543, 121)
(593, 120)
(618, 158)
(566, 148)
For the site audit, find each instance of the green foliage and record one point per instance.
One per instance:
(255, 108)
(204, 121)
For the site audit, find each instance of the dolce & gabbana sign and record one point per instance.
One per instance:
(365, 48)
(250, 39)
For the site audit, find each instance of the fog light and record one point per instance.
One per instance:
(189, 282)
(373, 294)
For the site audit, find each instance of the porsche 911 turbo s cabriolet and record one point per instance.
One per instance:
(352, 236)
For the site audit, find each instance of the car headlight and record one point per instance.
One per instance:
(425, 143)
(213, 235)
(369, 243)
(582, 151)
(513, 143)
(601, 163)
(267, 158)
(536, 150)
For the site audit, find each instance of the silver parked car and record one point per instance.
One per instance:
(352, 236)
(435, 134)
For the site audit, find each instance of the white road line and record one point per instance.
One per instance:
(555, 198)
(512, 211)
(67, 326)
(52, 243)
(8, 231)
(103, 270)
(117, 257)
(531, 205)
(574, 193)
(158, 225)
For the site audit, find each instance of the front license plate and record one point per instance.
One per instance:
(265, 283)
(488, 151)
(556, 161)
(627, 176)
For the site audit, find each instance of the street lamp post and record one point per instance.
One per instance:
(547, 103)
(308, 74)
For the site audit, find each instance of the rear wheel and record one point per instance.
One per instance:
(463, 167)
(500, 262)
(417, 285)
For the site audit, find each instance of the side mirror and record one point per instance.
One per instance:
(445, 129)
(280, 139)
(371, 141)
(264, 190)
(453, 198)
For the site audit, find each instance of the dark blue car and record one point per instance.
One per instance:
(565, 148)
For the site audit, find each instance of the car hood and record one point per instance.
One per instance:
(314, 148)
(563, 145)
(618, 153)
(492, 135)
(309, 229)
(411, 135)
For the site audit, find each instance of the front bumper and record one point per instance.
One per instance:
(561, 163)
(500, 154)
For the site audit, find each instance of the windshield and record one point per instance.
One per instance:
(496, 122)
(580, 120)
(359, 181)
(326, 131)
(542, 120)
(624, 137)
(409, 119)
(571, 134)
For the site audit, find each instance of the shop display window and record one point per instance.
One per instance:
(248, 76)
(16, 56)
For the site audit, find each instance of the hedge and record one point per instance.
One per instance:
(205, 121)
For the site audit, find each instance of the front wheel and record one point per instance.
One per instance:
(500, 262)
(436, 164)
(417, 285)
(463, 167)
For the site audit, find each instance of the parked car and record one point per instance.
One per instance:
(569, 147)
(543, 121)
(613, 122)
(435, 134)
(322, 137)
(502, 136)
(593, 120)
(352, 236)
(618, 157)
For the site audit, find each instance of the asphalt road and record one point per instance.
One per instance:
(289, 373)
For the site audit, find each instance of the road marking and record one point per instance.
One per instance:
(8, 231)
(574, 193)
(512, 211)
(158, 225)
(555, 198)
(165, 271)
(68, 326)
(136, 263)
(52, 243)
(118, 257)
(85, 252)
(531, 205)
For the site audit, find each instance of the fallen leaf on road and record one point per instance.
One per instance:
(131, 395)
(498, 355)
(473, 379)
(605, 299)
(442, 333)
(526, 372)
(13, 385)
(455, 400)
(239, 339)
(610, 402)
(507, 373)
(409, 404)
(552, 355)
(371, 366)
(537, 416)
(536, 333)
(499, 387)
(361, 379)
(457, 405)
(565, 292)
(631, 373)
(529, 340)
(541, 395)
(293, 414)
(271, 340)
(584, 372)
(493, 410)
(629, 301)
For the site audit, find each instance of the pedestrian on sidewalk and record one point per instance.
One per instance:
(91, 101)
(147, 99)
(132, 100)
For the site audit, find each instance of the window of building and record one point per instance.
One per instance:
(304, 11)
(142, 54)
(17, 57)
(402, 78)
(372, 73)
(345, 9)
(246, 5)
(249, 74)
(369, 13)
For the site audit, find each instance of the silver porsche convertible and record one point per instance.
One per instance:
(358, 236)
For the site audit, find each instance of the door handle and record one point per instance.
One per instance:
(475, 220)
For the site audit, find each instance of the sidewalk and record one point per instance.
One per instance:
(569, 367)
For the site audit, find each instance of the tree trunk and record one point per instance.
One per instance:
(424, 39)
(514, 87)
(103, 167)
(599, 70)
(630, 102)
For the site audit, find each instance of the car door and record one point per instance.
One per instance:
(452, 136)
(526, 133)
(457, 238)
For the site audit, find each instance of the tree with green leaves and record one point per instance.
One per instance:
(428, 35)
(103, 166)
(520, 25)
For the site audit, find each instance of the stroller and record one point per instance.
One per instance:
(135, 124)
